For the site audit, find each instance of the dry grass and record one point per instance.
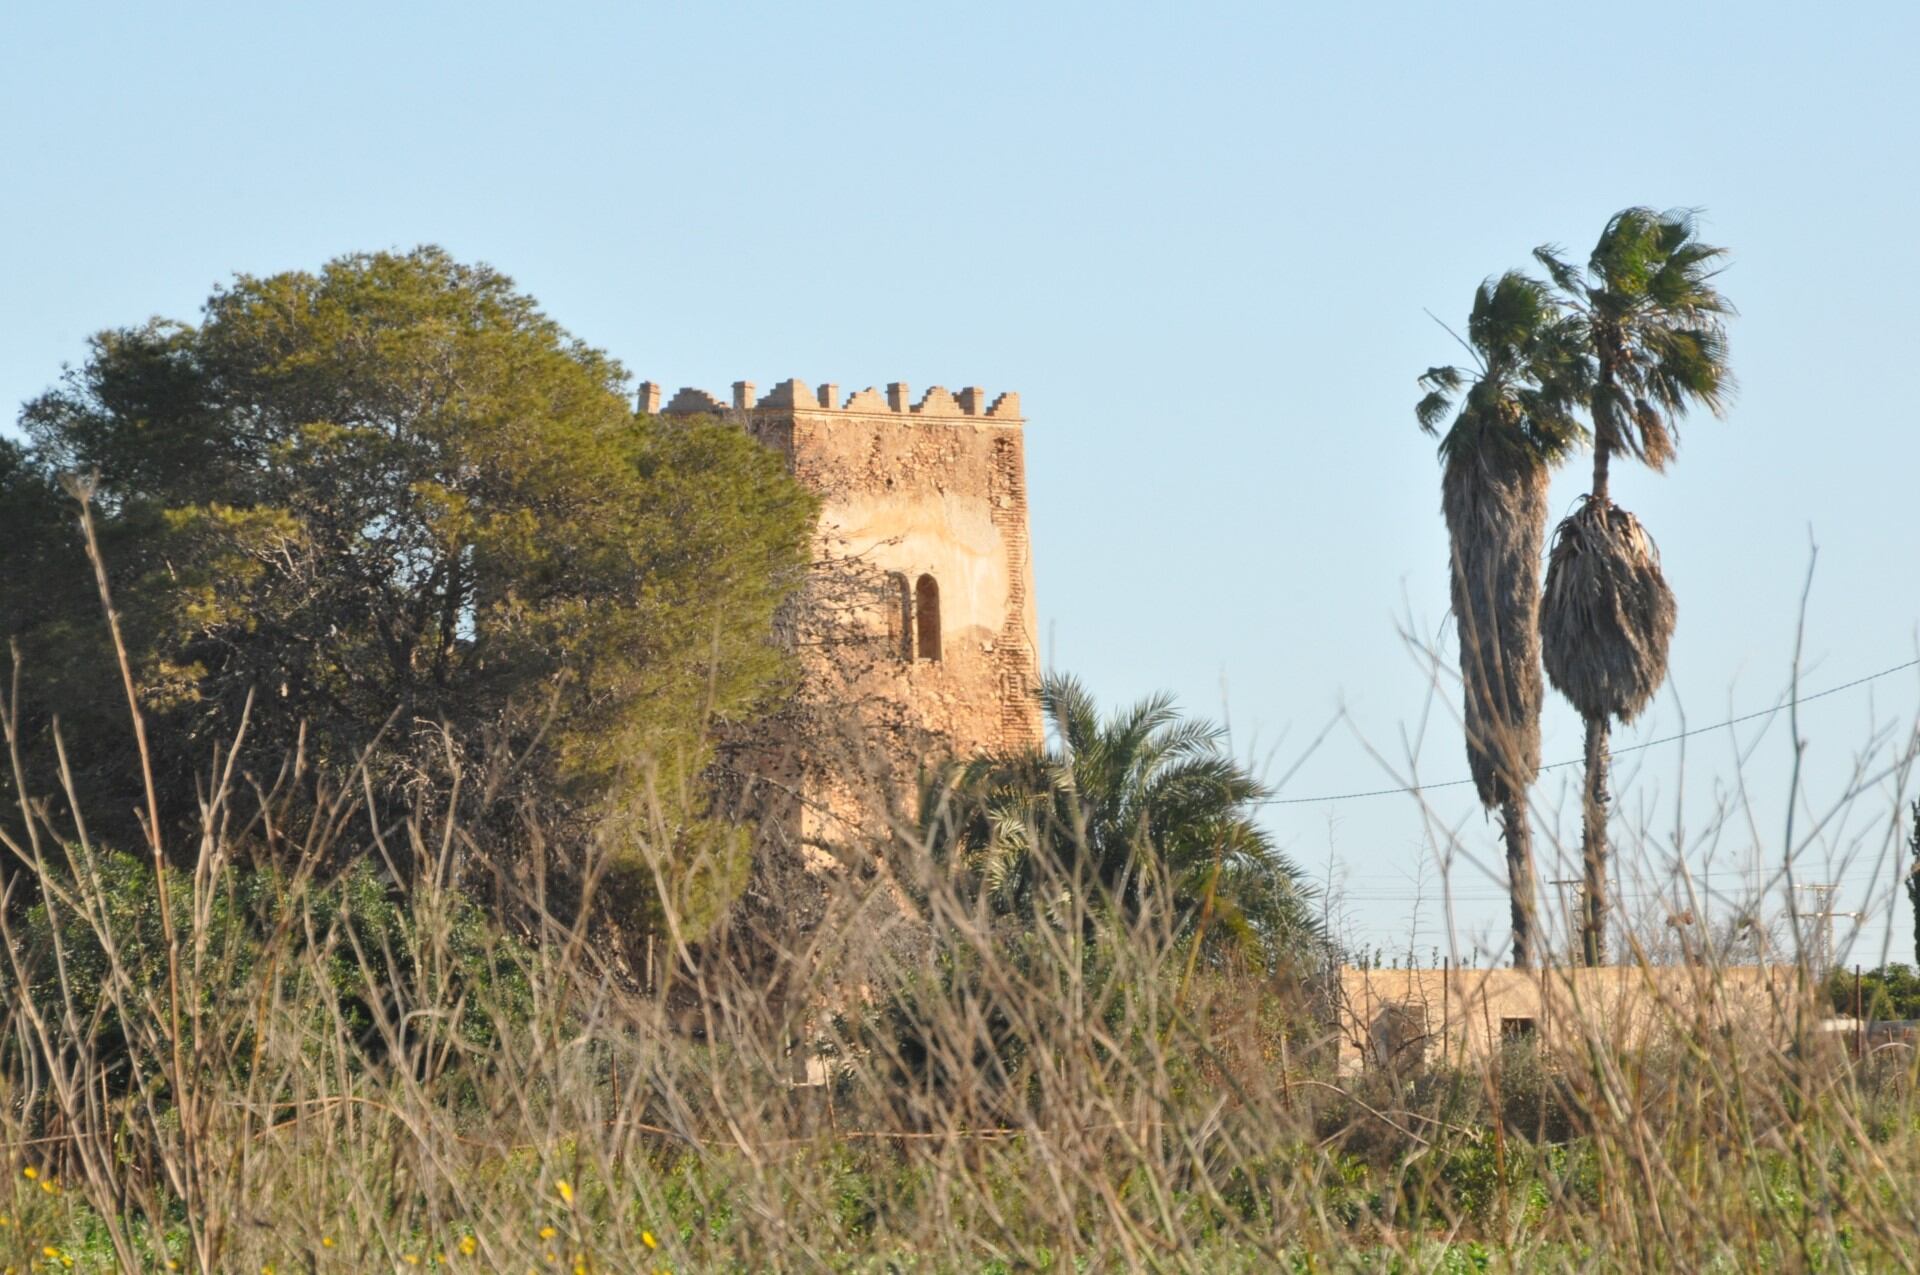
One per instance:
(210, 1065)
(372, 1090)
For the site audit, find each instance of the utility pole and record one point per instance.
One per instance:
(1821, 938)
(1566, 914)
(1822, 915)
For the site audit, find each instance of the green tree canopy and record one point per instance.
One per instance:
(1890, 992)
(404, 511)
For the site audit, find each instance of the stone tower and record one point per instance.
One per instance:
(916, 631)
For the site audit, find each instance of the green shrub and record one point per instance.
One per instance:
(1890, 992)
(352, 954)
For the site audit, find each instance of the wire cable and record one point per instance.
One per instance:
(1576, 761)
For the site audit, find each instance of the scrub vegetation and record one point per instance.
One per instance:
(365, 908)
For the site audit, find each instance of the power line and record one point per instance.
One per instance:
(1705, 886)
(1576, 761)
(1637, 896)
(1857, 873)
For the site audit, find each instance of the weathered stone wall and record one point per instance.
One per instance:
(1407, 1017)
(919, 500)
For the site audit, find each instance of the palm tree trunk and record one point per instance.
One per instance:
(1593, 846)
(1518, 836)
(1593, 805)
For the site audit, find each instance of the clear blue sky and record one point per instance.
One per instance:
(1198, 239)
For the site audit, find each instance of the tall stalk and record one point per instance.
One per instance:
(179, 1081)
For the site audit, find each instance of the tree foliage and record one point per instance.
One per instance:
(1143, 815)
(1656, 324)
(1890, 992)
(398, 504)
(1530, 376)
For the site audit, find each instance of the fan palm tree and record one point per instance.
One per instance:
(1655, 327)
(1145, 815)
(1514, 422)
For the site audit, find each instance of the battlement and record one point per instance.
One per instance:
(793, 395)
(915, 637)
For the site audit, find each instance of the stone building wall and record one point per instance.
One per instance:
(916, 630)
(1406, 1018)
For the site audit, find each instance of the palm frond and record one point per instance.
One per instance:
(1655, 327)
(1431, 410)
(1125, 810)
(1564, 274)
(1534, 369)
(1070, 708)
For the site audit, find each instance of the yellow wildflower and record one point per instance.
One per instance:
(50, 1251)
(326, 1241)
(267, 1269)
(565, 1190)
(547, 1232)
(410, 1259)
(646, 1237)
(467, 1245)
(31, 1172)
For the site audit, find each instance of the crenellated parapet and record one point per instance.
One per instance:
(794, 396)
(914, 637)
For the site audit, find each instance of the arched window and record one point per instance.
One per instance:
(897, 603)
(926, 615)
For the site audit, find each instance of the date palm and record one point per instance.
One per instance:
(1143, 813)
(1513, 421)
(1655, 327)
